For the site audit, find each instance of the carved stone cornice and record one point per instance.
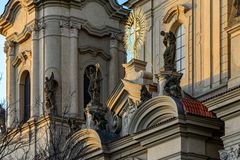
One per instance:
(94, 52)
(70, 24)
(27, 32)
(9, 15)
(22, 57)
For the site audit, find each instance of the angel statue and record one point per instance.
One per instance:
(50, 87)
(94, 84)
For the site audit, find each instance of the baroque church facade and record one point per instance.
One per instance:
(67, 71)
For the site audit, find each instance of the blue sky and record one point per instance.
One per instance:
(3, 57)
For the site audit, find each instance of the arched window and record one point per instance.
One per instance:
(180, 49)
(25, 94)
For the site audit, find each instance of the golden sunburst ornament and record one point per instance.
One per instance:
(135, 31)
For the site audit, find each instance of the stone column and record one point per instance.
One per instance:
(11, 86)
(113, 67)
(74, 71)
(35, 76)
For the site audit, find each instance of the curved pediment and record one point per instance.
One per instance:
(83, 141)
(152, 112)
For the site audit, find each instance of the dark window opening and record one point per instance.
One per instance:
(27, 95)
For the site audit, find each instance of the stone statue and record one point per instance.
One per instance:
(172, 86)
(145, 95)
(94, 84)
(100, 121)
(50, 87)
(169, 54)
(127, 116)
(236, 5)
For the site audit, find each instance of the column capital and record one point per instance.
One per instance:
(114, 39)
(9, 46)
(74, 32)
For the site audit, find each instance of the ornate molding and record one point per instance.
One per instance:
(94, 52)
(232, 154)
(174, 11)
(22, 57)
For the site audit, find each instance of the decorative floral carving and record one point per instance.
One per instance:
(232, 154)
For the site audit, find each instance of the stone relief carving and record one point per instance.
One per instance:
(170, 52)
(127, 116)
(50, 87)
(232, 154)
(38, 25)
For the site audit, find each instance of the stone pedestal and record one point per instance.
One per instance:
(95, 116)
(161, 83)
(135, 71)
(169, 83)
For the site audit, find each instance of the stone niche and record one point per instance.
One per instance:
(234, 39)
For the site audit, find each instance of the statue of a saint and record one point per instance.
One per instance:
(169, 54)
(50, 87)
(94, 84)
(236, 5)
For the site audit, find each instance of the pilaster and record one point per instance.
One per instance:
(35, 75)
(113, 68)
(74, 71)
(11, 87)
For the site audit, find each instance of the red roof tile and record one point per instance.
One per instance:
(195, 107)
